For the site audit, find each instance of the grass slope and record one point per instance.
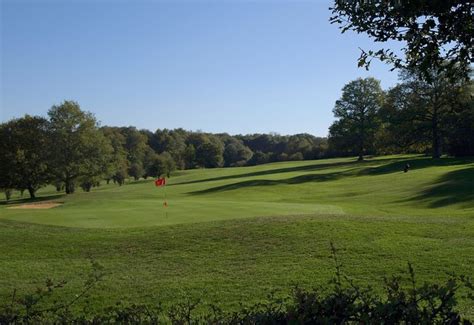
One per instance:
(230, 235)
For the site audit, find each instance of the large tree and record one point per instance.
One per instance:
(428, 112)
(79, 150)
(431, 32)
(399, 131)
(460, 136)
(235, 152)
(208, 150)
(356, 113)
(24, 152)
(173, 142)
(161, 165)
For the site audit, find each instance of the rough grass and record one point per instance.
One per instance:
(232, 235)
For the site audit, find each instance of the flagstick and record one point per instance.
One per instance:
(161, 182)
(166, 206)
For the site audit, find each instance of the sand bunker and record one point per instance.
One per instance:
(45, 205)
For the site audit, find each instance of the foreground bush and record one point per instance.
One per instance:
(342, 302)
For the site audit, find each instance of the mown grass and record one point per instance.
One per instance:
(232, 235)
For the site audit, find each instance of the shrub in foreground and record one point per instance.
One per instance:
(341, 302)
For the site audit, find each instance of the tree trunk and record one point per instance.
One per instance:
(361, 137)
(69, 185)
(436, 140)
(361, 149)
(436, 145)
(32, 191)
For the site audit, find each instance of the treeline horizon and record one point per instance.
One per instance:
(70, 149)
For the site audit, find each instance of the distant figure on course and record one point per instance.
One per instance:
(407, 167)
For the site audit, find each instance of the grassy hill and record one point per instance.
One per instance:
(231, 235)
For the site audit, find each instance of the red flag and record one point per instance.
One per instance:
(160, 182)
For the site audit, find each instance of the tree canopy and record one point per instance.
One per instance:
(356, 112)
(23, 154)
(432, 31)
(79, 151)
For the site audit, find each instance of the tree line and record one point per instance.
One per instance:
(69, 148)
(431, 110)
(433, 116)
(432, 107)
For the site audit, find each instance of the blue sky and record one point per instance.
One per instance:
(217, 66)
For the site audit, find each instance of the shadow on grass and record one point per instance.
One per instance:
(306, 168)
(289, 181)
(455, 187)
(28, 200)
(415, 163)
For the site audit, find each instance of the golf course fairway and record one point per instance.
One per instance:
(230, 235)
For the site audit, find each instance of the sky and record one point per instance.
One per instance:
(217, 66)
